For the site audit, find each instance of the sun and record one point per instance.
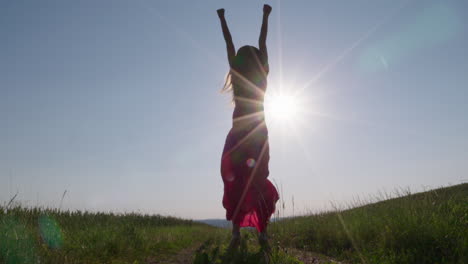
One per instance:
(282, 107)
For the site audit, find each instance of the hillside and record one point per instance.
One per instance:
(51, 236)
(427, 227)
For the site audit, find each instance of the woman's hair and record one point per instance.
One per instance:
(246, 73)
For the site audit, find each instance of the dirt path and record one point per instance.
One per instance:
(310, 257)
(185, 256)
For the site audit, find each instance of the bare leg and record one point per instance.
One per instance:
(235, 229)
(263, 241)
(235, 239)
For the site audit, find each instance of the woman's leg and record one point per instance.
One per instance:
(235, 239)
(235, 229)
(263, 240)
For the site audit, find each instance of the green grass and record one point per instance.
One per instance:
(51, 236)
(214, 251)
(429, 227)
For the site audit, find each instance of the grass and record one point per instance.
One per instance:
(249, 252)
(428, 227)
(34, 235)
(52, 236)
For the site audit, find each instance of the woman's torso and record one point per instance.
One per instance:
(249, 93)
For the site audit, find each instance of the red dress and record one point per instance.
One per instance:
(249, 197)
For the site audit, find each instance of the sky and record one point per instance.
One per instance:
(118, 103)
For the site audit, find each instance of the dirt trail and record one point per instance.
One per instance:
(310, 257)
(185, 256)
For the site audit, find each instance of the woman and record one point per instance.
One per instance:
(249, 197)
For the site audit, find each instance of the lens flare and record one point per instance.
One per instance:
(50, 232)
(230, 177)
(250, 163)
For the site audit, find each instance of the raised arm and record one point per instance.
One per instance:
(264, 30)
(231, 51)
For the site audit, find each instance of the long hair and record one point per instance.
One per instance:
(246, 77)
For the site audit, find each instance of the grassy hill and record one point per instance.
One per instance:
(428, 227)
(52, 236)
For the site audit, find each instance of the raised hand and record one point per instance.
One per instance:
(263, 32)
(266, 9)
(227, 36)
(220, 12)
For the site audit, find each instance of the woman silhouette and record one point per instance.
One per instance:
(249, 197)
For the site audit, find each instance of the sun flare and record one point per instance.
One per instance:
(282, 107)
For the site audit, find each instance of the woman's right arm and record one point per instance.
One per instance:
(227, 37)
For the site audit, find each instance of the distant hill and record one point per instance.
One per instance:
(223, 223)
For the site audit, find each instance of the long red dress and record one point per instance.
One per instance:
(249, 197)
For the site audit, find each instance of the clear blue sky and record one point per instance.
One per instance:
(118, 102)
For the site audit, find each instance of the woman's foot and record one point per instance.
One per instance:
(235, 241)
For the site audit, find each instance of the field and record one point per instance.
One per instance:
(429, 227)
